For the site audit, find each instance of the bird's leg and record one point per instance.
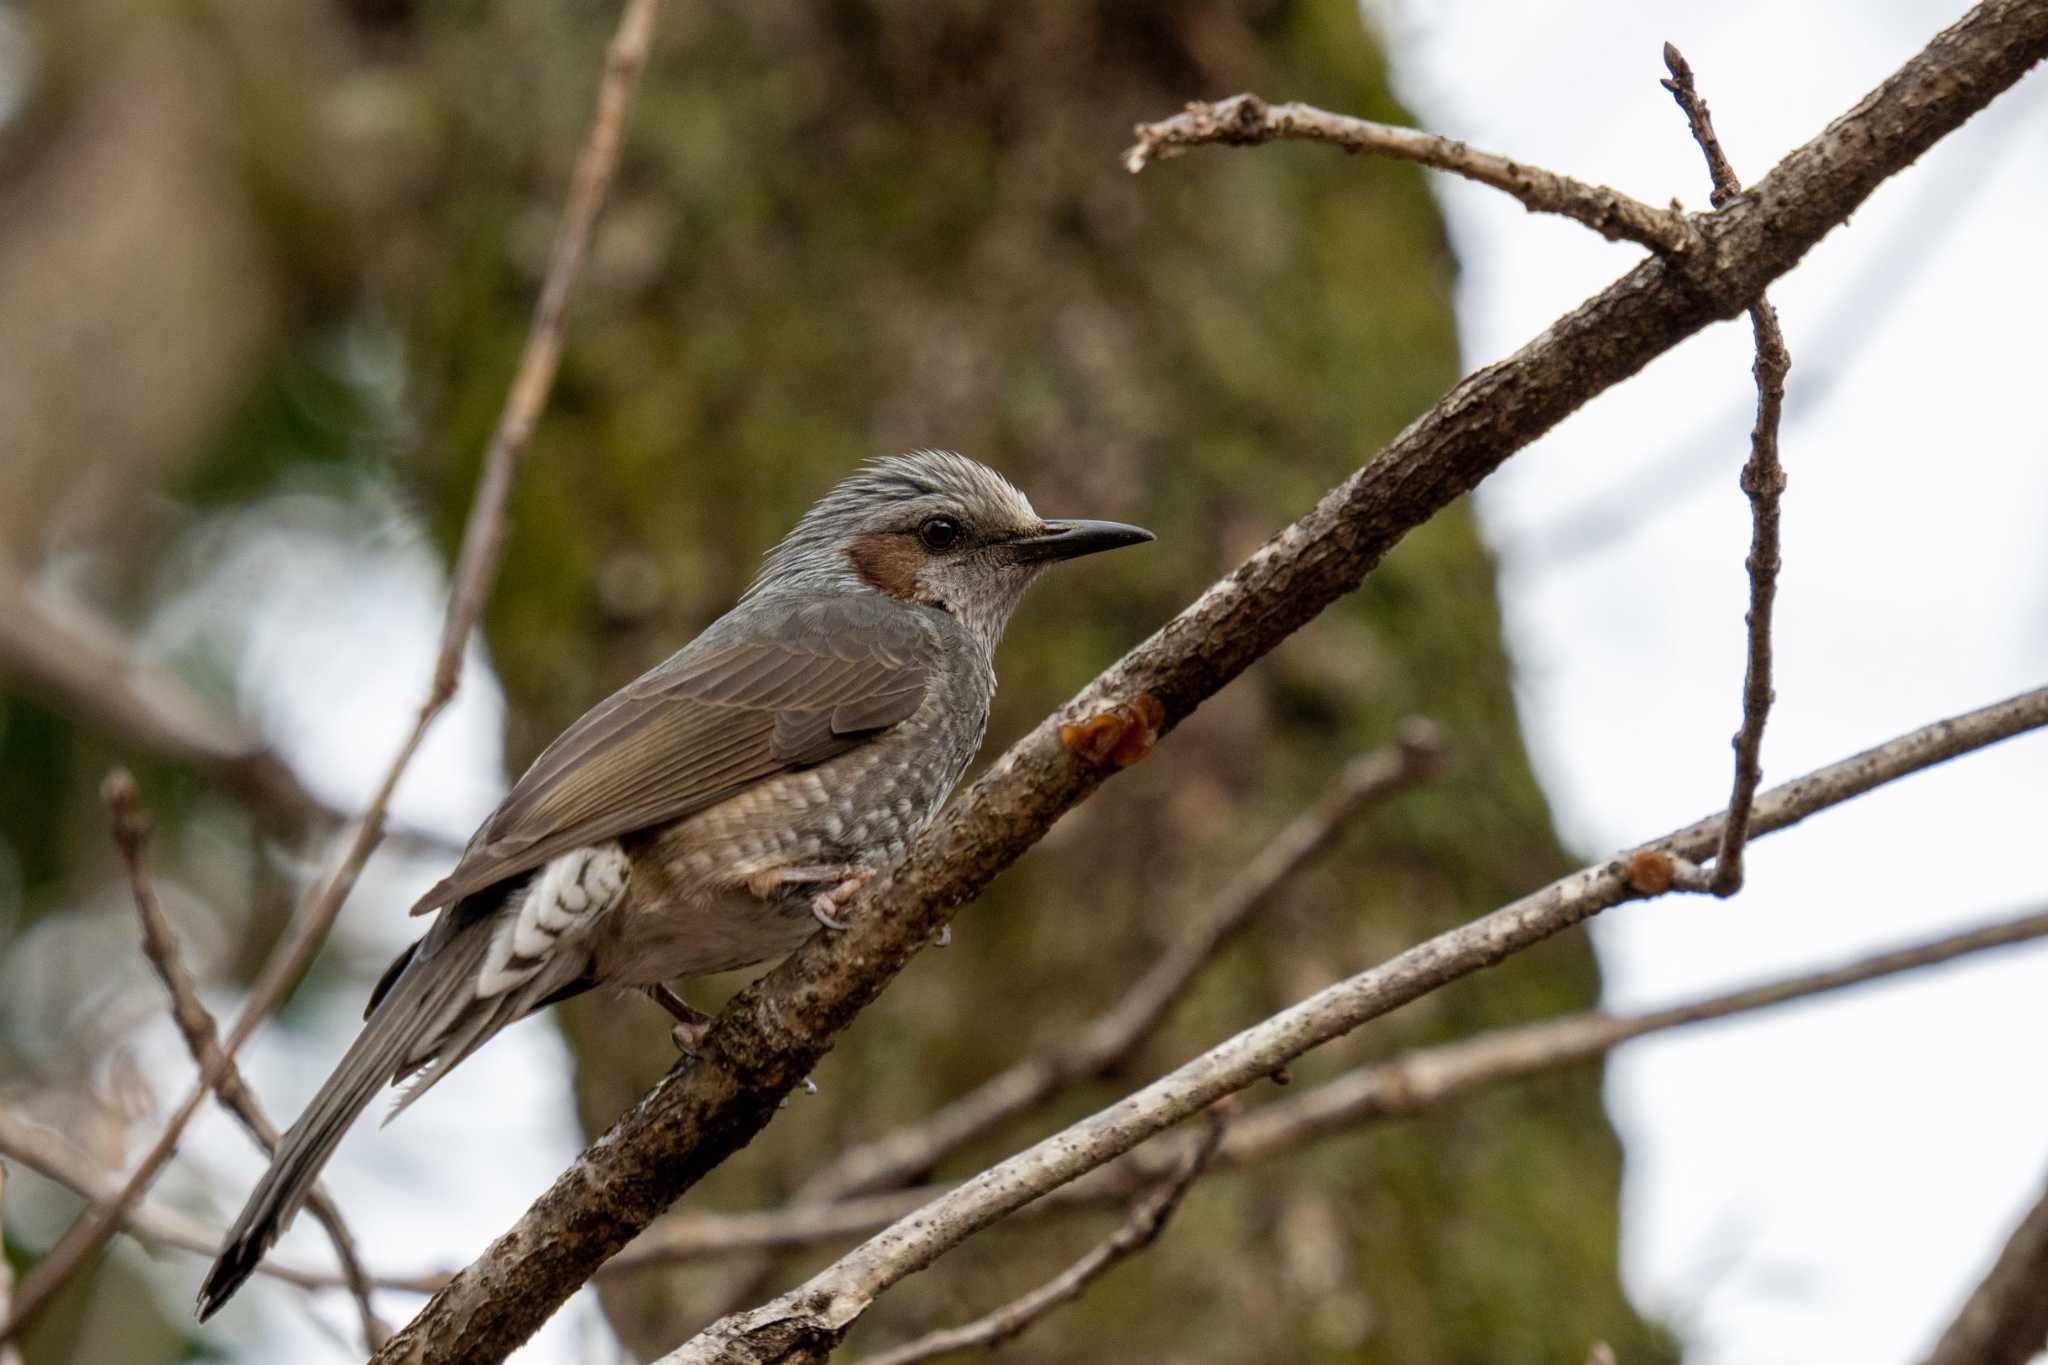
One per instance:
(691, 1023)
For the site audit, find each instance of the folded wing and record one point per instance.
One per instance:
(805, 681)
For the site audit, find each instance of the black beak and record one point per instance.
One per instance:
(1072, 539)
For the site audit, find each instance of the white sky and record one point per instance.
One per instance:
(1822, 1184)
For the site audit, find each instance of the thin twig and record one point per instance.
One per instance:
(202, 1035)
(1398, 1088)
(60, 1161)
(1415, 756)
(1763, 481)
(2005, 1319)
(823, 1308)
(1430, 1076)
(1147, 1220)
(1247, 120)
(476, 570)
(86, 1236)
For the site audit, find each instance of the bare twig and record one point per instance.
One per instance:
(1633, 501)
(202, 1037)
(85, 1237)
(1763, 481)
(476, 570)
(1147, 1220)
(57, 1159)
(1247, 120)
(808, 1320)
(1111, 1038)
(1430, 1076)
(1400, 1087)
(1682, 89)
(774, 1031)
(2005, 1319)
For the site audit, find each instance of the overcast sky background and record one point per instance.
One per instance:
(1817, 1184)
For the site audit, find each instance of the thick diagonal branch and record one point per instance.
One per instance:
(774, 1032)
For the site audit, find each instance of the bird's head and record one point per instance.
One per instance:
(935, 528)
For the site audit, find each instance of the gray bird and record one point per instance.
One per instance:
(715, 811)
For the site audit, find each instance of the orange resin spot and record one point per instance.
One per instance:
(1121, 735)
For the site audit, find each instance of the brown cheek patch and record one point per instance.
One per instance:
(888, 562)
(1121, 735)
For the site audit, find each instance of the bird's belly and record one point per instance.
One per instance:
(731, 886)
(653, 938)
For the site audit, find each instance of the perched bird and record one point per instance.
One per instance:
(715, 811)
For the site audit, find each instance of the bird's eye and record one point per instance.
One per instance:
(939, 533)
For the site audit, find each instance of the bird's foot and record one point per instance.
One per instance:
(844, 879)
(807, 1085)
(826, 902)
(691, 1023)
(944, 939)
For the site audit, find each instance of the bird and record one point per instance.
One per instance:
(719, 809)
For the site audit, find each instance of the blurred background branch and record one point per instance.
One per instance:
(202, 1035)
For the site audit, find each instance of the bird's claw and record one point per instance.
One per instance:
(825, 902)
(691, 1023)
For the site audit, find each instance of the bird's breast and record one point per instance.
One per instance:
(690, 886)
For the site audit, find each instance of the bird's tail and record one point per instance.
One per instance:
(429, 1006)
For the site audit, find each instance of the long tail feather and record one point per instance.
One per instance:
(406, 1030)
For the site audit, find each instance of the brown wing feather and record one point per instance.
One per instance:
(796, 687)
